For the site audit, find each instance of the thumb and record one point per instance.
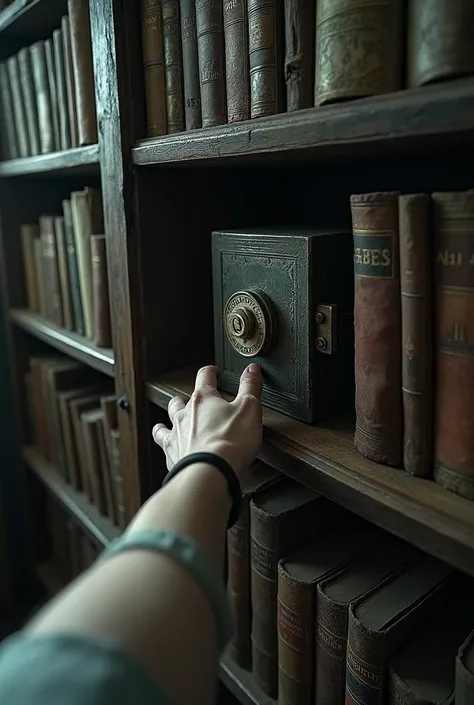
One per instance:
(251, 382)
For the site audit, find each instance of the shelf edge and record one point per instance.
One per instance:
(55, 162)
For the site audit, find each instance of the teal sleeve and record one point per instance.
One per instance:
(72, 669)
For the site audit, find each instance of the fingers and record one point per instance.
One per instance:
(250, 382)
(160, 433)
(176, 404)
(206, 378)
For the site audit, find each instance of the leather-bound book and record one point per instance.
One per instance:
(454, 405)
(91, 424)
(73, 269)
(81, 50)
(440, 43)
(359, 48)
(110, 420)
(19, 112)
(300, 22)
(70, 83)
(43, 97)
(266, 49)
(210, 38)
(153, 67)
(60, 377)
(54, 308)
(298, 577)
(87, 218)
(334, 596)
(38, 252)
(106, 475)
(38, 367)
(238, 558)
(417, 332)
(29, 99)
(423, 671)
(60, 70)
(100, 292)
(53, 91)
(173, 65)
(282, 519)
(192, 88)
(77, 408)
(465, 672)
(382, 620)
(117, 478)
(10, 146)
(377, 321)
(29, 235)
(236, 36)
(70, 450)
(64, 282)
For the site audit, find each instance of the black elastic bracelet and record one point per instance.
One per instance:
(223, 466)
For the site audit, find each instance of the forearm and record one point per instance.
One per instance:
(148, 602)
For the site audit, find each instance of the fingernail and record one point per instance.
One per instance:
(254, 369)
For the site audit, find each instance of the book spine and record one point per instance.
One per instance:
(63, 113)
(64, 284)
(53, 91)
(265, 56)
(110, 421)
(70, 467)
(28, 234)
(106, 475)
(29, 99)
(464, 674)
(173, 65)
(153, 67)
(50, 259)
(331, 648)
(238, 585)
(81, 50)
(296, 617)
(264, 560)
(117, 478)
(73, 269)
(439, 42)
(70, 84)
(192, 89)
(300, 22)
(454, 407)
(377, 321)
(358, 48)
(92, 457)
(236, 35)
(364, 666)
(10, 150)
(38, 252)
(43, 98)
(100, 292)
(398, 693)
(41, 429)
(18, 107)
(417, 335)
(82, 204)
(210, 39)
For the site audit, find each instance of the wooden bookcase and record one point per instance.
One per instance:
(162, 198)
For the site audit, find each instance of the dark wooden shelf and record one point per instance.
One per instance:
(50, 577)
(80, 160)
(241, 684)
(31, 19)
(380, 125)
(100, 528)
(323, 457)
(78, 347)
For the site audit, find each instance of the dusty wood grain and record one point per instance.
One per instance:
(389, 122)
(100, 528)
(79, 161)
(324, 458)
(68, 342)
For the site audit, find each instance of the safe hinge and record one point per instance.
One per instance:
(326, 328)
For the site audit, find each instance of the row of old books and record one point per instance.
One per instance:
(71, 551)
(75, 427)
(329, 609)
(414, 333)
(47, 91)
(209, 62)
(65, 266)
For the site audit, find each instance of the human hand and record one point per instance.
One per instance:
(208, 423)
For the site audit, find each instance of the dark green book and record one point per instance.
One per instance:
(78, 313)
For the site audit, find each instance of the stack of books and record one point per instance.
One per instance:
(47, 95)
(74, 426)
